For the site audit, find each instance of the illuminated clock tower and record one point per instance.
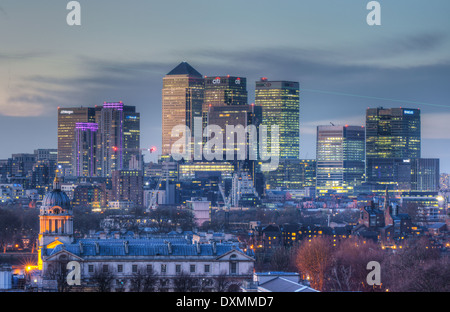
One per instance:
(55, 221)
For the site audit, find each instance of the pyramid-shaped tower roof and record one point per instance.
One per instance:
(185, 69)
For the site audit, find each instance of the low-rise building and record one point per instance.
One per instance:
(277, 282)
(120, 262)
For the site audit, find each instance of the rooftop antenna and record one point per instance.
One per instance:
(56, 182)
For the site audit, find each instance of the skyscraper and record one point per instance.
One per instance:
(281, 106)
(182, 99)
(118, 138)
(127, 185)
(225, 103)
(67, 120)
(393, 148)
(85, 150)
(225, 90)
(234, 116)
(340, 159)
(392, 133)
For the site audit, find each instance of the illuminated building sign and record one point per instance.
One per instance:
(66, 112)
(408, 112)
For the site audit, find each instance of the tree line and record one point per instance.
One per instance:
(342, 266)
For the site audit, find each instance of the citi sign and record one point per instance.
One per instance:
(218, 81)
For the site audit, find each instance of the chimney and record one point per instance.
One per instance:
(214, 248)
(198, 248)
(125, 246)
(169, 247)
(97, 248)
(81, 247)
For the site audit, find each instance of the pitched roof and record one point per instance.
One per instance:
(141, 247)
(280, 284)
(184, 69)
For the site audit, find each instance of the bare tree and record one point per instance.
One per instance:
(57, 272)
(418, 267)
(222, 282)
(143, 281)
(102, 280)
(348, 270)
(341, 277)
(150, 281)
(282, 259)
(313, 261)
(185, 282)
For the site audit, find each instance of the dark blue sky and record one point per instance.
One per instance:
(123, 49)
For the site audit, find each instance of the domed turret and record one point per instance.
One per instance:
(57, 198)
(56, 201)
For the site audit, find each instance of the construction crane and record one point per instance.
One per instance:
(226, 200)
(164, 175)
(152, 203)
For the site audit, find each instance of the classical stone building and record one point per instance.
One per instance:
(130, 264)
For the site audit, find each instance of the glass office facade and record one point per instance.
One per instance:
(280, 102)
(340, 159)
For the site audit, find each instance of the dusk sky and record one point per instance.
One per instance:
(123, 49)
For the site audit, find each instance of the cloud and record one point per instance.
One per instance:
(2, 10)
(95, 82)
(310, 127)
(435, 125)
(411, 51)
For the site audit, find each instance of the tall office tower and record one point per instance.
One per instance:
(182, 99)
(118, 138)
(85, 150)
(235, 143)
(340, 159)
(128, 185)
(131, 136)
(67, 119)
(392, 141)
(281, 106)
(392, 133)
(223, 91)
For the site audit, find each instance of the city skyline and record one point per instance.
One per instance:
(240, 146)
(401, 63)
